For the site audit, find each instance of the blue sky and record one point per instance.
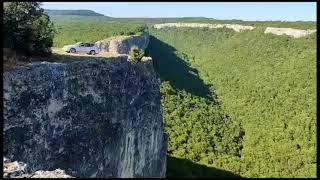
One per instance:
(260, 11)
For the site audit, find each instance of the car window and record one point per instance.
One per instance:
(81, 45)
(89, 45)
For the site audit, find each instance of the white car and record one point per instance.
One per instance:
(89, 48)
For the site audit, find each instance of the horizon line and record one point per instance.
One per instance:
(228, 19)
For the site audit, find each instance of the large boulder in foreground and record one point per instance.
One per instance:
(94, 118)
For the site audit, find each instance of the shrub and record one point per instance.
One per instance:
(141, 28)
(136, 54)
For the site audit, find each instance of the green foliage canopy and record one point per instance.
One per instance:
(73, 28)
(266, 88)
(26, 28)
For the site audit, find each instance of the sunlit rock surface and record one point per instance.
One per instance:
(93, 118)
(235, 27)
(296, 33)
(18, 170)
(123, 44)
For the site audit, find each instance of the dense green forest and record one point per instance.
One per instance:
(260, 117)
(243, 103)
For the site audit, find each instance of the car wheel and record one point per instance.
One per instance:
(92, 52)
(72, 50)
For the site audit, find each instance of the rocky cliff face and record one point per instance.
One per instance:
(296, 33)
(123, 44)
(235, 27)
(94, 118)
(17, 170)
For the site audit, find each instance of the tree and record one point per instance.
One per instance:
(26, 28)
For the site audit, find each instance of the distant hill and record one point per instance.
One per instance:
(72, 12)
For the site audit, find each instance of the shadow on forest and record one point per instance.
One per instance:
(175, 70)
(177, 167)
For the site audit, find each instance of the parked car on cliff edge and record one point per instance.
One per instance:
(89, 48)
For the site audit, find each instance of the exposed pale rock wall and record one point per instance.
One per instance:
(92, 118)
(296, 33)
(123, 44)
(235, 27)
(58, 173)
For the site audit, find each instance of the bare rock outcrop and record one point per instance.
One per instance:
(18, 170)
(296, 33)
(235, 27)
(58, 173)
(91, 118)
(123, 44)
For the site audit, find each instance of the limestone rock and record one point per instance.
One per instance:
(123, 44)
(18, 170)
(235, 27)
(92, 118)
(58, 173)
(14, 169)
(296, 33)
